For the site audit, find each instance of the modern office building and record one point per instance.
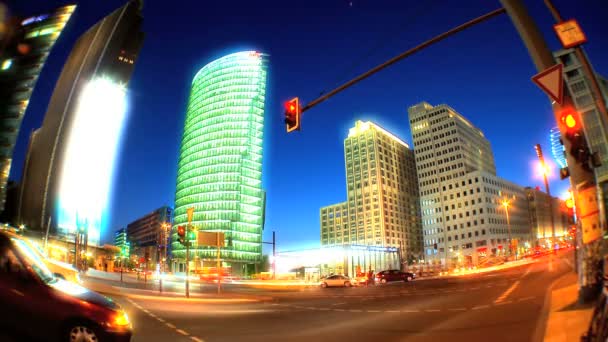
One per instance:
(220, 165)
(468, 213)
(557, 148)
(382, 207)
(67, 177)
(121, 241)
(596, 127)
(540, 217)
(24, 48)
(145, 234)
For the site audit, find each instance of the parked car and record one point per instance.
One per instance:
(336, 281)
(394, 275)
(46, 308)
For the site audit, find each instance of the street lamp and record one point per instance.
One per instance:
(506, 203)
(544, 170)
(165, 227)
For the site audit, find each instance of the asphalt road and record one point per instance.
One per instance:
(501, 306)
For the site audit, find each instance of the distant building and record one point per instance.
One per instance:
(220, 165)
(145, 233)
(557, 148)
(540, 219)
(463, 219)
(121, 241)
(24, 48)
(382, 207)
(67, 176)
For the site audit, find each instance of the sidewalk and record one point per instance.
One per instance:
(568, 320)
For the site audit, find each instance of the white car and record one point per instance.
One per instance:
(337, 281)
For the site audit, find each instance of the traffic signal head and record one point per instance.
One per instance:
(181, 233)
(292, 114)
(572, 127)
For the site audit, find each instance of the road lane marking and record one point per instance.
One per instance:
(507, 292)
(527, 272)
(341, 310)
(355, 310)
(170, 325)
(457, 309)
(503, 303)
(180, 331)
(392, 311)
(410, 311)
(525, 298)
(160, 320)
(374, 311)
(338, 304)
(432, 310)
(324, 309)
(479, 307)
(196, 339)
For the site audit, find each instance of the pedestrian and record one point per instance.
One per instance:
(370, 277)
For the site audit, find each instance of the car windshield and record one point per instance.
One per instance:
(35, 261)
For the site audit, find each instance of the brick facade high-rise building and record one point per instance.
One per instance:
(382, 206)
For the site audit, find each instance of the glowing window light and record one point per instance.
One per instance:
(7, 64)
(86, 176)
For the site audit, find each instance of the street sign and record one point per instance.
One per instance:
(570, 33)
(588, 214)
(190, 212)
(210, 239)
(551, 81)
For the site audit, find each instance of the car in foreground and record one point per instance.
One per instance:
(42, 307)
(336, 281)
(384, 277)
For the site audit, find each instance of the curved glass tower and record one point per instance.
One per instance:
(220, 165)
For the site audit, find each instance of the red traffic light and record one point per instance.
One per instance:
(181, 231)
(292, 114)
(570, 120)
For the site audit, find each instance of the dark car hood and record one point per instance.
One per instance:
(83, 293)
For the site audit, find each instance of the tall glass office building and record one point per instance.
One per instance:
(220, 165)
(25, 45)
(557, 149)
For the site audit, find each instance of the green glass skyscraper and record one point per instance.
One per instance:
(220, 166)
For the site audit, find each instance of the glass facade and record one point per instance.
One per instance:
(557, 149)
(220, 165)
(22, 57)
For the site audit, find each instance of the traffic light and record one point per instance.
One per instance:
(292, 114)
(181, 233)
(570, 204)
(571, 125)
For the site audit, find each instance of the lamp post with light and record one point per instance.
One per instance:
(545, 172)
(164, 227)
(506, 203)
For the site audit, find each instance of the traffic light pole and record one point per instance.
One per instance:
(402, 56)
(187, 263)
(542, 57)
(274, 254)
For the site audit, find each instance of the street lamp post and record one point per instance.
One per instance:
(164, 237)
(506, 203)
(545, 171)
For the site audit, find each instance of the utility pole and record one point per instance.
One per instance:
(46, 237)
(541, 159)
(543, 59)
(274, 254)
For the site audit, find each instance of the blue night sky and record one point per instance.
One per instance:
(314, 45)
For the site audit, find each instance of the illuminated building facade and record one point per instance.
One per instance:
(121, 241)
(382, 207)
(145, 233)
(463, 219)
(220, 165)
(69, 165)
(23, 53)
(540, 217)
(557, 149)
